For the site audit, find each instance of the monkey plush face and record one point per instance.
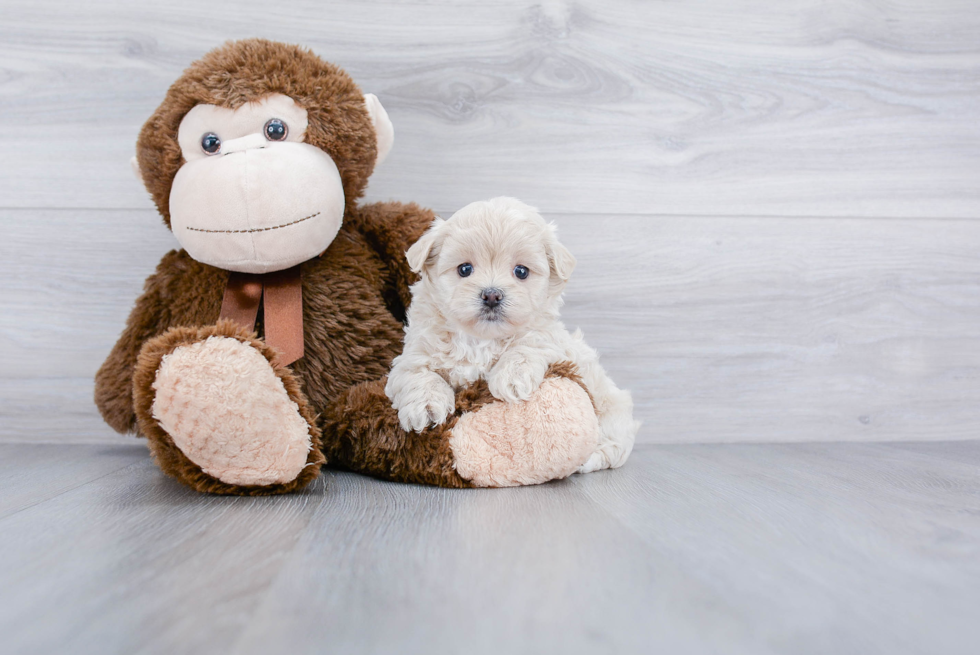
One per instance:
(253, 196)
(257, 152)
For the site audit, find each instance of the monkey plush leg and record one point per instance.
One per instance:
(547, 437)
(486, 443)
(220, 416)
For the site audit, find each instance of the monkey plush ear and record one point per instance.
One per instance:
(135, 165)
(382, 126)
(426, 249)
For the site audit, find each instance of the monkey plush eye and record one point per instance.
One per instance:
(276, 130)
(521, 272)
(464, 270)
(210, 143)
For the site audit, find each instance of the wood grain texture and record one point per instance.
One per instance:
(767, 548)
(724, 329)
(706, 162)
(814, 107)
(819, 535)
(33, 473)
(774, 207)
(135, 549)
(784, 330)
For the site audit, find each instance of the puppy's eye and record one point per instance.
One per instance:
(275, 130)
(464, 270)
(521, 272)
(210, 143)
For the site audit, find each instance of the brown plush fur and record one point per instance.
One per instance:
(350, 300)
(181, 293)
(354, 295)
(570, 371)
(243, 71)
(171, 460)
(370, 441)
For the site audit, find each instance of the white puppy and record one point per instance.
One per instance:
(487, 307)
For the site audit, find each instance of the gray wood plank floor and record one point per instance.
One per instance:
(765, 548)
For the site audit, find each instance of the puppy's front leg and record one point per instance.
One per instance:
(517, 374)
(421, 396)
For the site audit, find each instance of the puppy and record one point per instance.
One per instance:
(487, 307)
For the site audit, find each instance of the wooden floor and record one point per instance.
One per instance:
(755, 548)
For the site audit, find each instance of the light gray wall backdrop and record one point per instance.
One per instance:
(775, 206)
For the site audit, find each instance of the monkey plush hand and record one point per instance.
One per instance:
(258, 351)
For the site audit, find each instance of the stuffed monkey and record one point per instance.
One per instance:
(258, 351)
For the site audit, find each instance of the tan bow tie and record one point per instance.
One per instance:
(282, 308)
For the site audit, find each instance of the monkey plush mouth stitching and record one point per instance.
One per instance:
(258, 229)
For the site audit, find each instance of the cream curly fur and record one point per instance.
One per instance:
(453, 337)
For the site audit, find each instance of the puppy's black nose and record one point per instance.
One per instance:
(492, 297)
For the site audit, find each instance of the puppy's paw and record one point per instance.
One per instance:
(595, 462)
(612, 452)
(428, 408)
(514, 381)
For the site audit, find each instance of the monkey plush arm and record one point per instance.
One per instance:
(114, 380)
(391, 228)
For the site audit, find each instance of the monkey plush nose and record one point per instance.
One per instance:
(492, 297)
(243, 143)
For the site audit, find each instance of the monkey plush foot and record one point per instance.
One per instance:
(546, 437)
(220, 416)
(485, 443)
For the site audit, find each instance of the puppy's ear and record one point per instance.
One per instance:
(425, 251)
(561, 261)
